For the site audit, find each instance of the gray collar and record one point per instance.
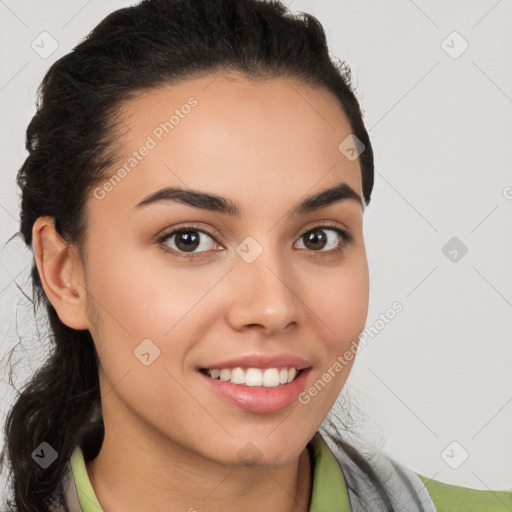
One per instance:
(405, 489)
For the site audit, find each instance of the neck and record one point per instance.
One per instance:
(131, 476)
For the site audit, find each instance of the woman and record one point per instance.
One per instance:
(194, 197)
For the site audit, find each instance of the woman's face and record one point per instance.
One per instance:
(266, 281)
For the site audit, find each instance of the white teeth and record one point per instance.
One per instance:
(255, 377)
(237, 376)
(271, 377)
(291, 374)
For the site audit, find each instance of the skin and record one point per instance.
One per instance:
(266, 146)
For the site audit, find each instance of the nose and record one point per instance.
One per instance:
(264, 294)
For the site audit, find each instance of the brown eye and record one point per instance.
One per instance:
(187, 240)
(318, 238)
(315, 239)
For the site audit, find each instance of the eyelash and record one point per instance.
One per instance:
(344, 235)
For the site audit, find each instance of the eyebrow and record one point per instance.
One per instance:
(214, 203)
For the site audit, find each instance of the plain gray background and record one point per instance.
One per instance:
(435, 382)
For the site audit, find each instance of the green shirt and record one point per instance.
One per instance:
(329, 493)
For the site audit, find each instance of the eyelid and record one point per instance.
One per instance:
(325, 224)
(167, 233)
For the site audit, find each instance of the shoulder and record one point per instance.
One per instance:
(453, 498)
(406, 489)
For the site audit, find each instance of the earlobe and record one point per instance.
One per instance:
(61, 273)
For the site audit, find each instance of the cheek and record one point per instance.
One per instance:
(339, 301)
(340, 313)
(136, 300)
(138, 293)
(141, 309)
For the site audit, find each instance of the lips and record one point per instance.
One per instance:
(261, 361)
(255, 388)
(259, 400)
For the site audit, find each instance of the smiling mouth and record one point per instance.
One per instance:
(254, 377)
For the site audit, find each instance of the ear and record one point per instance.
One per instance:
(61, 273)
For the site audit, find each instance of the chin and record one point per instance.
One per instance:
(264, 452)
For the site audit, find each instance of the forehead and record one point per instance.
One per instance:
(234, 137)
